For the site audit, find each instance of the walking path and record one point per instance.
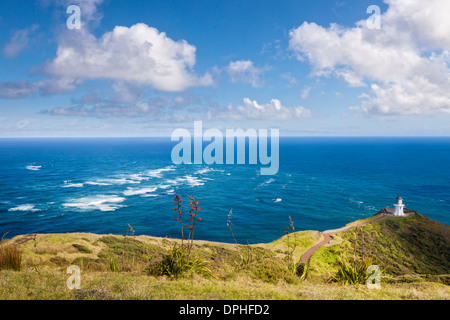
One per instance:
(327, 238)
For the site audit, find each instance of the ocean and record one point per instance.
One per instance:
(102, 185)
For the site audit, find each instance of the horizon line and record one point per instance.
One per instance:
(168, 137)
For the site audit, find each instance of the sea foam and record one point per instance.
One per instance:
(33, 168)
(138, 191)
(98, 202)
(25, 207)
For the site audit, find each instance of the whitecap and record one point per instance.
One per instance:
(206, 170)
(98, 202)
(269, 181)
(156, 173)
(164, 186)
(189, 180)
(34, 168)
(72, 185)
(278, 200)
(137, 177)
(25, 207)
(203, 171)
(119, 181)
(138, 191)
(96, 183)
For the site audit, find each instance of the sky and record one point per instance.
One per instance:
(144, 68)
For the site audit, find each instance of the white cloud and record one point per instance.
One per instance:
(18, 89)
(139, 55)
(24, 88)
(19, 41)
(304, 94)
(405, 63)
(252, 110)
(101, 110)
(245, 71)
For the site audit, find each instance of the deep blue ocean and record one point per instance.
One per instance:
(102, 185)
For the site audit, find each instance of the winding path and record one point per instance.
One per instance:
(327, 238)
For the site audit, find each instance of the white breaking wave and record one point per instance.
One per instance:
(96, 183)
(72, 185)
(266, 182)
(137, 177)
(206, 170)
(188, 179)
(99, 202)
(25, 207)
(34, 168)
(120, 181)
(148, 195)
(138, 191)
(156, 173)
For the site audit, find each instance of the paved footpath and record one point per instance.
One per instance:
(327, 238)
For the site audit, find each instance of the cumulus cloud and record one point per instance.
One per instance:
(139, 55)
(131, 57)
(246, 72)
(405, 64)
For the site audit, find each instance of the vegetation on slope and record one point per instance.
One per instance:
(412, 247)
(414, 253)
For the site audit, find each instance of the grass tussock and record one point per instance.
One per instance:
(10, 258)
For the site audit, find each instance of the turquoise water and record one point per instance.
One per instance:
(101, 185)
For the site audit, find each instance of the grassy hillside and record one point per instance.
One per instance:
(413, 247)
(414, 251)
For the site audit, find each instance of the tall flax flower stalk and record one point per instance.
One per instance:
(179, 203)
(193, 219)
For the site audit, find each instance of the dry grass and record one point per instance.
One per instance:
(43, 274)
(10, 258)
(51, 284)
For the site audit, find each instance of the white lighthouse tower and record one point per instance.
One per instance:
(399, 207)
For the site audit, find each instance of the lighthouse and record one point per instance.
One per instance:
(399, 207)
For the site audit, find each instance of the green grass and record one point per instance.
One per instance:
(413, 251)
(51, 284)
(401, 246)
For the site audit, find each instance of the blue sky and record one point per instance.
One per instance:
(144, 68)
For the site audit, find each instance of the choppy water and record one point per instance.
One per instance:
(101, 185)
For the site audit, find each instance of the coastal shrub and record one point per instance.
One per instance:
(177, 262)
(10, 257)
(303, 270)
(180, 259)
(114, 265)
(352, 271)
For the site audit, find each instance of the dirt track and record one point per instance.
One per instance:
(327, 238)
